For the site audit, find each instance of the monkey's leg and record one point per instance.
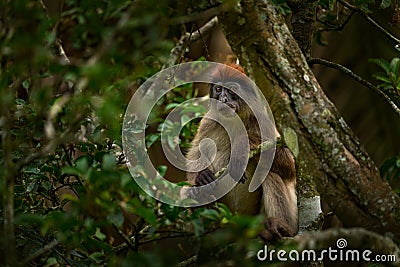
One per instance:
(279, 204)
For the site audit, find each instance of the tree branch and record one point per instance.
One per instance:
(303, 23)
(357, 78)
(178, 50)
(338, 27)
(211, 12)
(124, 237)
(40, 252)
(368, 18)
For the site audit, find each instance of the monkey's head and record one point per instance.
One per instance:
(226, 84)
(228, 101)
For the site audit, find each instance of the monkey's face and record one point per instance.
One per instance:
(228, 102)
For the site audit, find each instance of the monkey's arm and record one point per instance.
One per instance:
(236, 167)
(205, 176)
(239, 158)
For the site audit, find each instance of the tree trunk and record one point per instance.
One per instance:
(330, 155)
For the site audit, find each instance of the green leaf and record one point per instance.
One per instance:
(97, 257)
(184, 119)
(390, 168)
(383, 64)
(224, 211)
(198, 227)
(31, 170)
(109, 162)
(382, 77)
(32, 187)
(146, 214)
(28, 219)
(51, 262)
(82, 164)
(385, 4)
(162, 170)
(184, 183)
(171, 106)
(210, 214)
(290, 137)
(100, 235)
(173, 141)
(395, 65)
(26, 84)
(151, 139)
(117, 219)
(70, 170)
(332, 4)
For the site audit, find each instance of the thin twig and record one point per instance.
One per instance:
(180, 46)
(124, 237)
(179, 49)
(368, 18)
(188, 262)
(339, 27)
(109, 39)
(266, 145)
(106, 44)
(40, 252)
(61, 51)
(183, 234)
(67, 156)
(357, 78)
(214, 11)
(202, 40)
(44, 151)
(58, 43)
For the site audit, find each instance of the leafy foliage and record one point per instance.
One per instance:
(67, 71)
(390, 77)
(334, 15)
(282, 6)
(390, 170)
(177, 99)
(61, 165)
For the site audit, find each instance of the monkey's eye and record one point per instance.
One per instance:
(232, 92)
(218, 89)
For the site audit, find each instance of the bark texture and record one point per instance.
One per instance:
(330, 155)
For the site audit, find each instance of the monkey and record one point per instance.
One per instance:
(276, 198)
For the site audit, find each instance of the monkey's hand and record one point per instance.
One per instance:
(275, 230)
(204, 177)
(234, 172)
(243, 178)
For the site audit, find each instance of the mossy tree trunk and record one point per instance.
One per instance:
(331, 157)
